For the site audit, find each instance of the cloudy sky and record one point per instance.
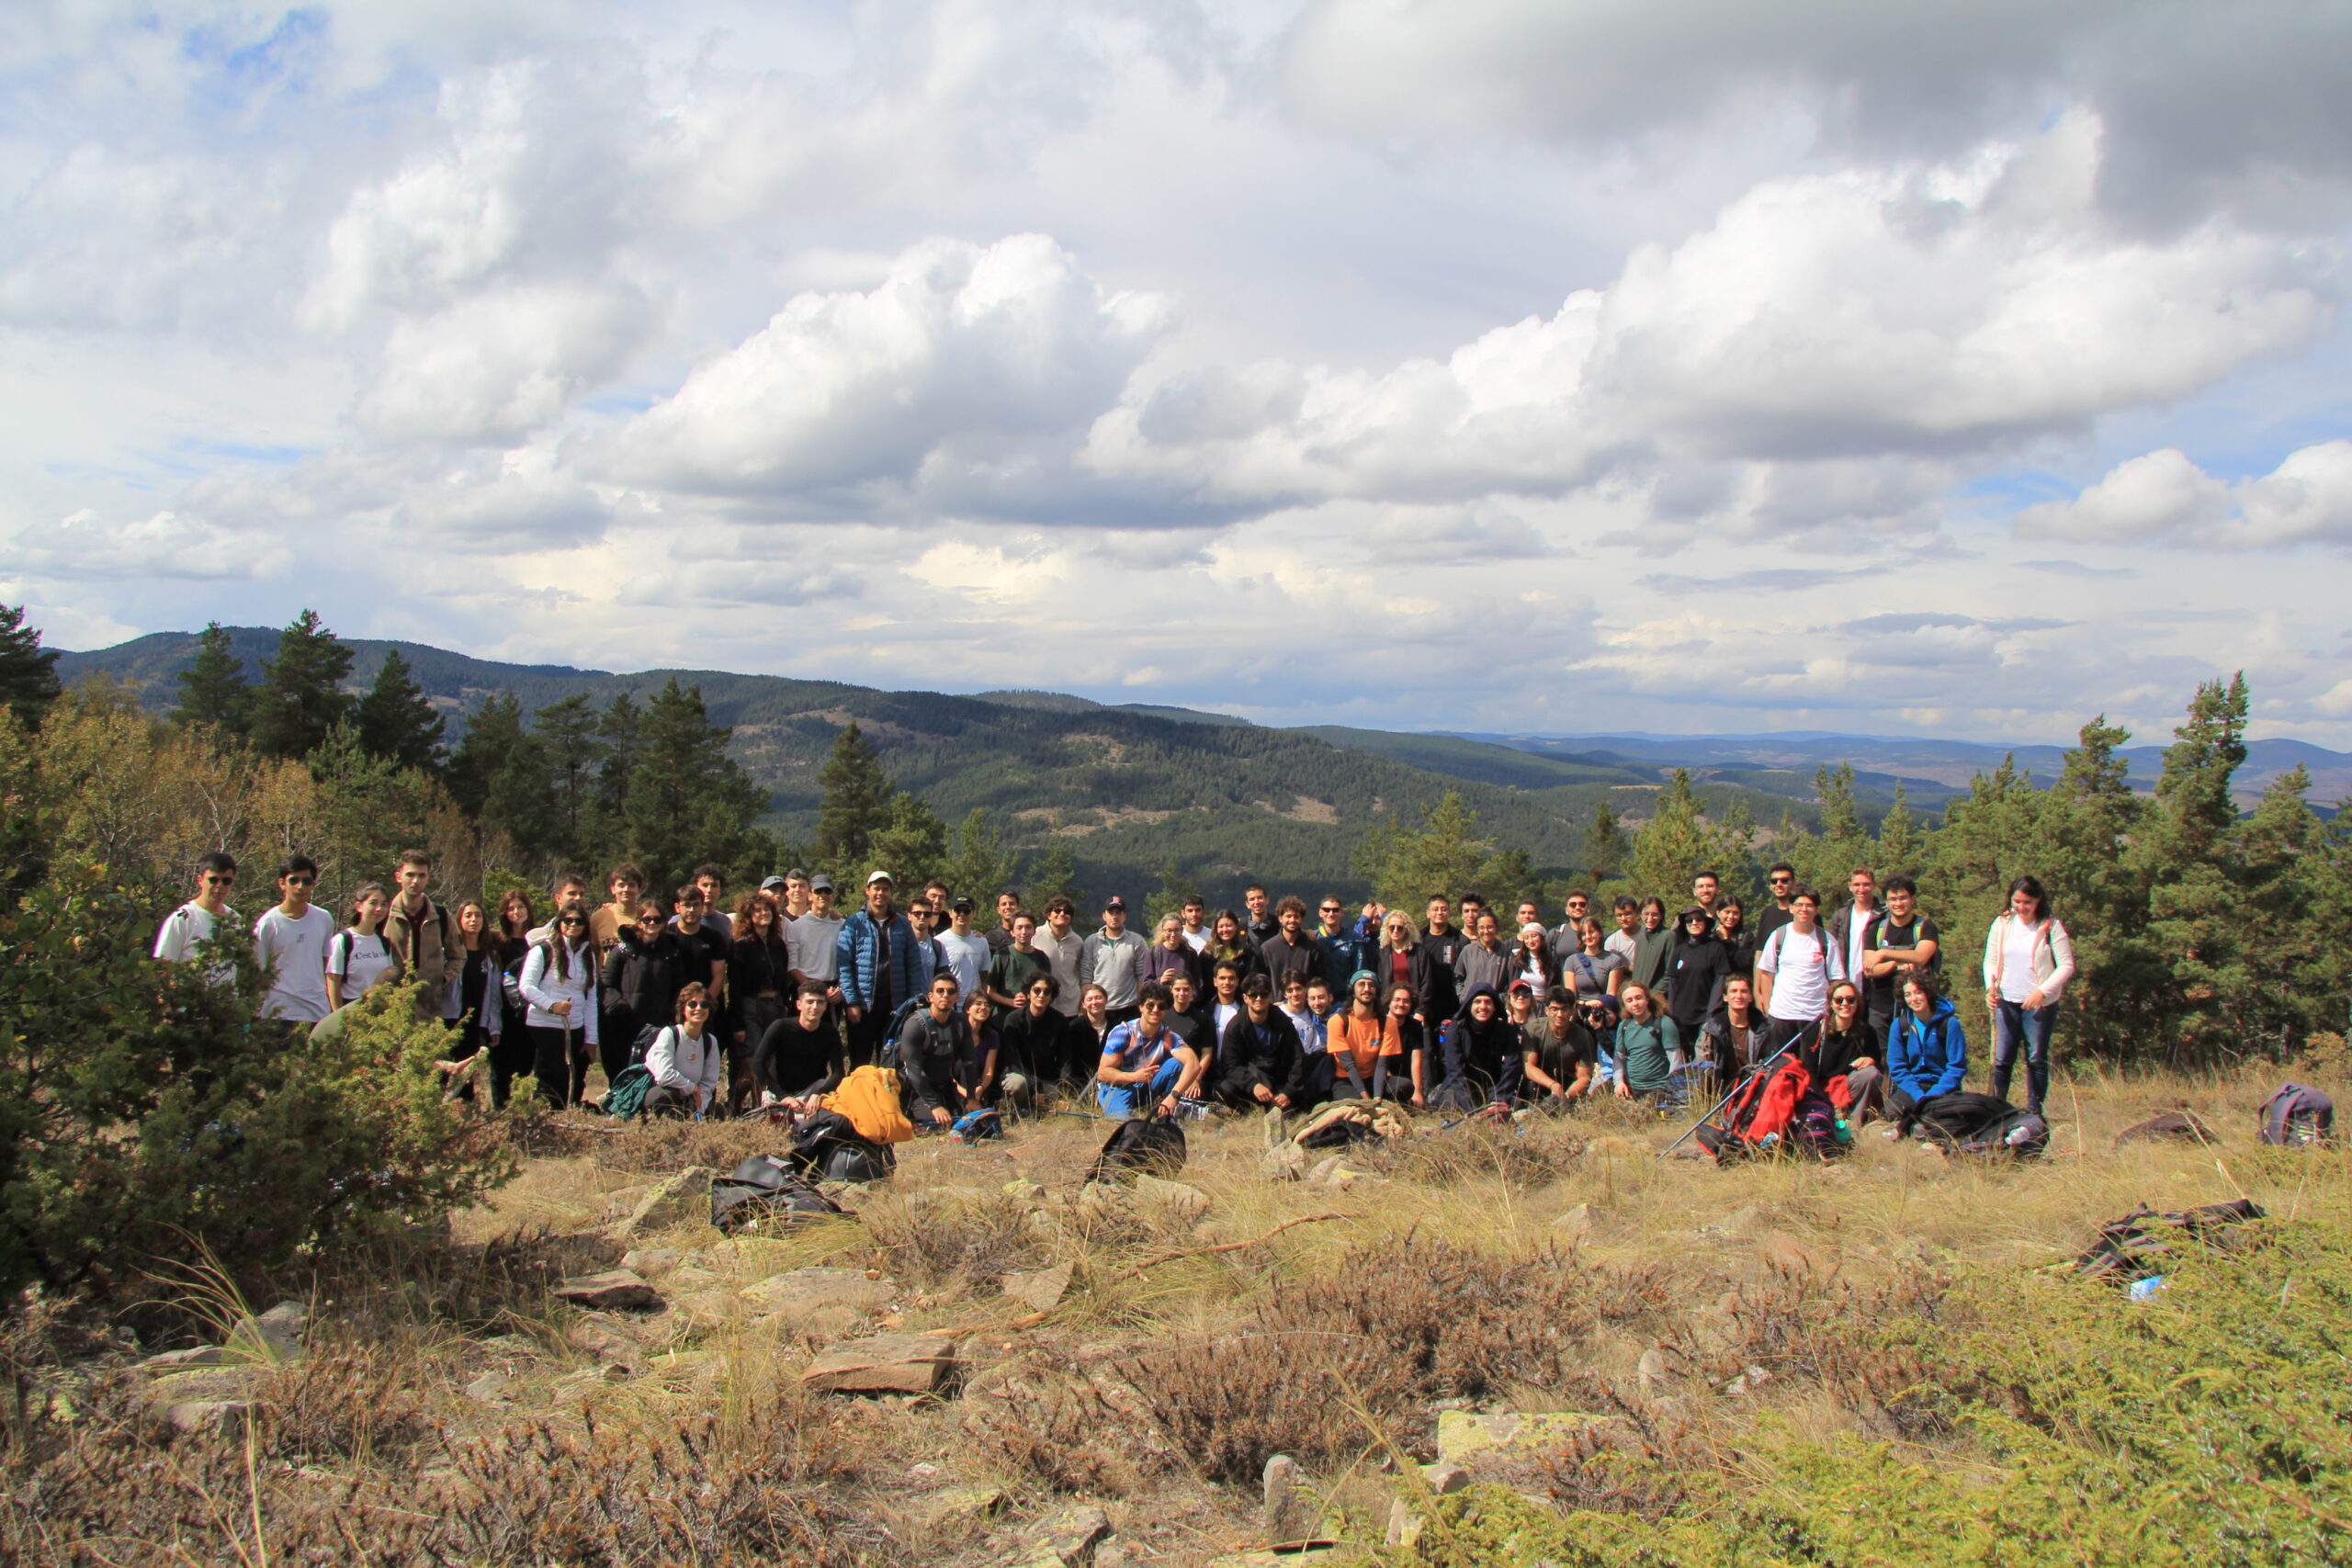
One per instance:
(1961, 366)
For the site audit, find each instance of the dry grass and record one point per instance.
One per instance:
(1157, 1386)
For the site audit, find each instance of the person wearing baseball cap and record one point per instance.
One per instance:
(1112, 959)
(879, 966)
(810, 938)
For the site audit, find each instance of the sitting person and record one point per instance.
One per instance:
(1555, 1054)
(934, 1047)
(1258, 1054)
(1365, 1052)
(798, 1058)
(1145, 1068)
(1841, 1055)
(685, 1060)
(1482, 1053)
(1036, 1035)
(1736, 1036)
(1090, 1030)
(1406, 1045)
(1649, 1049)
(1927, 1054)
(991, 1075)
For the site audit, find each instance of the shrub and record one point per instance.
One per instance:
(150, 1122)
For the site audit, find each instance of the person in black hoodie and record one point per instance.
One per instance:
(642, 976)
(1435, 998)
(1482, 1050)
(759, 978)
(1259, 1059)
(1695, 972)
(1035, 1036)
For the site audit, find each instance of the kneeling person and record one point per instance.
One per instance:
(934, 1053)
(1258, 1054)
(1145, 1067)
(685, 1060)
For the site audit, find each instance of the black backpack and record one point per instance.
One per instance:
(2298, 1117)
(1140, 1147)
(765, 1193)
(1968, 1122)
(828, 1148)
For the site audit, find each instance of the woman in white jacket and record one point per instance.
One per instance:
(560, 982)
(2029, 958)
(685, 1060)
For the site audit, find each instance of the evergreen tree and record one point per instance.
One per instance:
(498, 777)
(911, 844)
(2081, 847)
(2195, 926)
(28, 670)
(1052, 876)
(857, 801)
(980, 865)
(396, 721)
(568, 737)
(213, 690)
(1899, 839)
(1604, 845)
(1674, 845)
(621, 730)
(688, 801)
(302, 696)
(1446, 856)
(1174, 888)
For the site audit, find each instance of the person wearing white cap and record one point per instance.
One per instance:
(877, 968)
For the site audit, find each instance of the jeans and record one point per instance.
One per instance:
(2013, 1022)
(1121, 1101)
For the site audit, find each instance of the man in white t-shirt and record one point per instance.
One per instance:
(967, 951)
(192, 925)
(1795, 968)
(1195, 910)
(290, 940)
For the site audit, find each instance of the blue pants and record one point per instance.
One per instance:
(1121, 1101)
(2013, 1025)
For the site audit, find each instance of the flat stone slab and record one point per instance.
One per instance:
(800, 1291)
(678, 1197)
(1460, 1434)
(616, 1290)
(885, 1363)
(1040, 1290)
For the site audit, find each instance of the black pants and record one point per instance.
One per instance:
(754, 1013)
(616, 1031)
(560, 1060)
(866, 1035)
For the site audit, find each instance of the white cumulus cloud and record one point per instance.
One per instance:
(2162, 497)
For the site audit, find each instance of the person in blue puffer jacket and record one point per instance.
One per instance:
(1927, 1054)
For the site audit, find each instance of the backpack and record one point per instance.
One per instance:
(2298, 1117)
(829, 1148)
(625, 1097)
(1760, 1111)
(869, 1099)
(766, 1192)
(1968, 1122)
(2128, 1248)
(1140, 1147)
(1813, 1128)
(975, 1125)
(642, 1045)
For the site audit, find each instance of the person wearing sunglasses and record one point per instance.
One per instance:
(291, 941)
(195, 922)
(1783, 880)
(685, 1060)
(1842, 1056)
(643, 976)
(1344, 946)
(559, 984)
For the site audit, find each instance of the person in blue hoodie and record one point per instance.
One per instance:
(1926, 1053)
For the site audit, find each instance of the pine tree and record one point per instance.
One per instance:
(302, 696)
(1673, 846)
(857, 800)
(498, 775)
(1052, 876)
(688, 801)
(1446, 856)
(28, 671)
(620, 729)
(1899, 839)
(568, 735)
(911, 845)
(396, 721)
(1174, 888)
(1604, 845)
(213, 690)
(2080, 847)
(980, 865)
(2196, 924)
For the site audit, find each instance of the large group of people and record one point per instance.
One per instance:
(768, 1002)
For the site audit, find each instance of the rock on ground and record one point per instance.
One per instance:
(682, 1197)
(1040, 1290)
(616, 1290)
(885, 1363)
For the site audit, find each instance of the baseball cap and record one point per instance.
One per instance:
(820, 883)
(962, 903)
(1115, 902)
(876, 876)
(772, 883)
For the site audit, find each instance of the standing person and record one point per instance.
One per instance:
(1339, 950)
(1696, 972)
(290, 943)
(1783, 880)
(1017, 963)
(1482, 1053)
(1257, 1053)
(1195, 910)
(2029, 958)
(1594, 970)
(560, 982)
(759, 966)
(644, 970)
(713, 882)
(1225, 997)
(1555, 1054)
(1435, 996)
(480, 1011)
(1037, 1033)
(1854, 923)
(570, 891)
(1532, 963)
(1290, 951)
(511, 1059)
(1902, 944)
(799, 894)
(359, 958)
(1366, 1059)
(1649, 1049)
(195, 922)
(1739, 942)
(1484, 962)
(1625, 940)
(1112, 959)
(1707, 891)
(1927, 1054)
(798, 1059)
(1170, 956)
(1065, 952)
(1229, 944)
(810, 940)
(423, 934)
(625, 886)
(1795, 968)
(875, 962)
(1263, 925)
(966, 951)
(1568, 937)
(1653, 948)
(1398, 958)
(1146, 1069)
(685, 1060)
(999, 936)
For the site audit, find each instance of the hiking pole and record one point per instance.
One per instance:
(1750, 1076)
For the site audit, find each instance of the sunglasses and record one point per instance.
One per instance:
(219, 881)
(1844, 1002)
(697, 1007)
(301, 881)
(1782, 881)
